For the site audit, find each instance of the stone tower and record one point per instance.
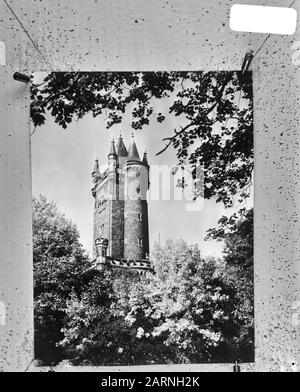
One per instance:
(120, 209)
(136, 184)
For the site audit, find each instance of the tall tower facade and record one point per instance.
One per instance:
(136, 184)
(121, 209)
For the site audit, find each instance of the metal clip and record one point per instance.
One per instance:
(247, 61)
(21, 77)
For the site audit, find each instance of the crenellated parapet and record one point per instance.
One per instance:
(138, 265)
(103, 261)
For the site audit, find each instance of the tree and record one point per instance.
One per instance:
(192, 310)
(213, 110)
(193, 305)
(237, 233)
(95, 330)
(185, 301)
(58, 262)
(184, 313)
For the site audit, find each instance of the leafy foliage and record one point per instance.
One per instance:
(58, 261)
(237, 234)
(213, 112)
(184, 313)
(192, 310)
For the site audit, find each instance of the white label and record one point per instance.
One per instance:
(261, 19)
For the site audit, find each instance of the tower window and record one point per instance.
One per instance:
(140, 241)
(101, 229)
(138, 189)
(140, 217)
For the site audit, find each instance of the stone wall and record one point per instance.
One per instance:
(136, 216)
(102, 210)
(133, 230)
(117, 228)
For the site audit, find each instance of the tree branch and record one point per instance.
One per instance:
(209, 110)
(53, 96)
(171, 138)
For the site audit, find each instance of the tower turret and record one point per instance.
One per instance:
(121, 149)
(146, 183)
(133, 154)
(112, 156)
(121, 152)
(101, 253)
(96, 171)
(135, 209)
(145, 159)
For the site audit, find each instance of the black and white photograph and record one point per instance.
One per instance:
(142, 217)
(149, 196)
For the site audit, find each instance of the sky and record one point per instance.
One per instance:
(62, 162)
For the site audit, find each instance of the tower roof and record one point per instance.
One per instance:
(133, 154)
(121, 149)
(112, 150)
(96, 169)
(145, 159)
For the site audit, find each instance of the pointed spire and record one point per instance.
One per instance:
(121, 149)
(145, 159)
(133, 154)
(96, 169)
(112, 150)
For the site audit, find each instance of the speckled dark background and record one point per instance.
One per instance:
(156, 35)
